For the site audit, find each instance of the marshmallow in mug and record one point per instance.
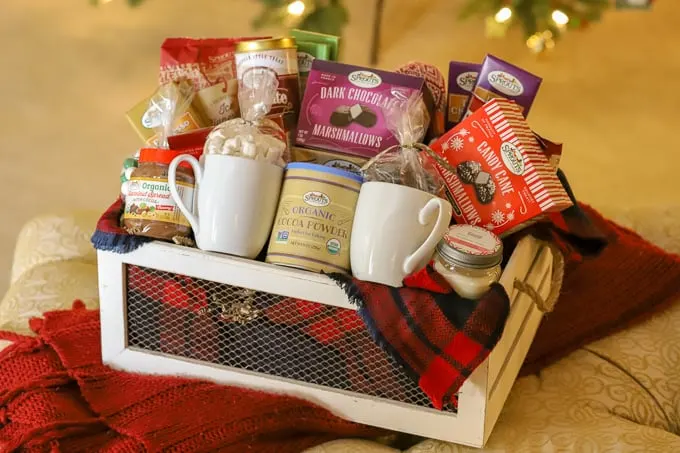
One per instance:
(255, 146)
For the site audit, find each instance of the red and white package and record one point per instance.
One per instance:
(497, 176)
(209, 64)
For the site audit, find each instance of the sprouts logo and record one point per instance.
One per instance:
(305, 61)
(512, 158)
(506, 83)
(466, 80)
(364, 79)
(316, 199)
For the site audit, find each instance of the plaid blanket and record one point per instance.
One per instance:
(434, 335)
(110, 236)
(438, 339)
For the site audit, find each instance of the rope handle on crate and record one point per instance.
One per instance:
(548, 304)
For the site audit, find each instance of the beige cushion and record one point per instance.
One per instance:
(351, 446)
(54, 238)
(650, 354)
(582, 403)
(50, 286)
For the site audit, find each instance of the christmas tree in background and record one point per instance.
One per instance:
(543, 22)
(323, 16)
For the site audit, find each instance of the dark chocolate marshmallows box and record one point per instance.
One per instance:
(342, 109)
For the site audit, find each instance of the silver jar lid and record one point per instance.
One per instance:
(471, 246)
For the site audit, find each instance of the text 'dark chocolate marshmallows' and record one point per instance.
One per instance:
(343, 106)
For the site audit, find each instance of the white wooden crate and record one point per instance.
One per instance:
(480, 399)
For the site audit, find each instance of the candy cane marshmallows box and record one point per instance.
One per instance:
(497, 175)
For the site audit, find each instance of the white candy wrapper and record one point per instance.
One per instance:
(166, 104)
(129, 166)
(409, 163)
(253, 136)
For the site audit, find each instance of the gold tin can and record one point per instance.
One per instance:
(313, 223)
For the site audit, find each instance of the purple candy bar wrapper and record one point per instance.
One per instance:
(462, 79)
(342, 109)
(500, 79)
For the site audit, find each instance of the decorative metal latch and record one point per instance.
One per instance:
(240, 308)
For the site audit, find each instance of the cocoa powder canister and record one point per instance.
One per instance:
(149, 208)
(313, 223)
(279, 55)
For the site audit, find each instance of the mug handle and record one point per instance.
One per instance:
(172, 183)
(435, 236)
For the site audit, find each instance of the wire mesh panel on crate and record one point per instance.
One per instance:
(261, 332)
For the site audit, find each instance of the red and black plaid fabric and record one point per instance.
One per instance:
(180, 328)
(110, 236)
(366, 365)
(438, 338)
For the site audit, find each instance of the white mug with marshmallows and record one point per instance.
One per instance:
(395, 231)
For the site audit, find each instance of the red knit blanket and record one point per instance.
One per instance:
(56, 396)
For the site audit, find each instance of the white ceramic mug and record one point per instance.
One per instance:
(395, 231)
(235, 204)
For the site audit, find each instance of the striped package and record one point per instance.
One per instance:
(497, 175)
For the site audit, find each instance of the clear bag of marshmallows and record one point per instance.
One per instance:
(252, 136)
(409, 163)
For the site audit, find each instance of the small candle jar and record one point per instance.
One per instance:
(469, 258)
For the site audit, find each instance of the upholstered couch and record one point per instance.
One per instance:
(618, 394)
